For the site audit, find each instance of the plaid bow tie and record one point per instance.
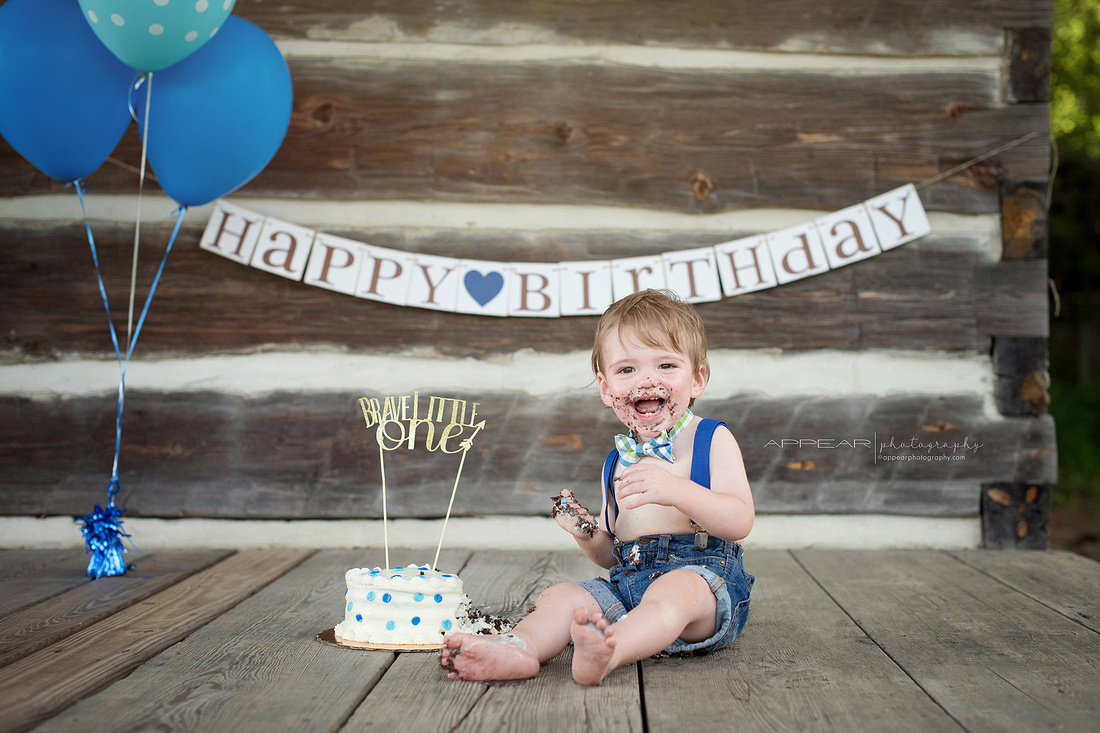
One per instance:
(631, 451)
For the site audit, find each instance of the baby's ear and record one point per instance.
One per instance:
(605, 393)
(699, 383)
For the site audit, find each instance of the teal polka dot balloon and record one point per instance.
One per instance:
(149, 35)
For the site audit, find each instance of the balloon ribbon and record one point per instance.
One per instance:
(102, 528)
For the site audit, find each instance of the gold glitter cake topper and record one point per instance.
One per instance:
(397, 421)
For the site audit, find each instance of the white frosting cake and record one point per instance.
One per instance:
(412, 606)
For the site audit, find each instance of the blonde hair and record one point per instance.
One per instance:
(657, 318)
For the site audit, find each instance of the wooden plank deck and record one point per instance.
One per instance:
(837, 640)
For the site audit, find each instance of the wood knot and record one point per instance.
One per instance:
(955, 110)
(701, 186)
(1033, 390)
(987, 176)
(571, 441)
(999, 496)
(1023, 220)
(563, 130)
(801, 465)
(322, 113)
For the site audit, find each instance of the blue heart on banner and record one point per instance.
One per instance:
(483, 288)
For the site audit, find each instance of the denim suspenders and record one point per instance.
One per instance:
(700, 467)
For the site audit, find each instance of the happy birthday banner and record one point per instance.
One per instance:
(553, 289)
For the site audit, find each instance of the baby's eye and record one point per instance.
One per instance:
(668, 366)
(626, 370)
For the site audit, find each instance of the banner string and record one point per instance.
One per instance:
(974, 161)
(923, 184)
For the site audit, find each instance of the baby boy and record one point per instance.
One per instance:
(676, 503)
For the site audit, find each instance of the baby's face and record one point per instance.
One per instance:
(649, 388)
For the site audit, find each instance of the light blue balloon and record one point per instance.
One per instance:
(217, 117)
(63, 96)
(150, 35)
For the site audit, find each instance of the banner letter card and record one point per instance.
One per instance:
(232, 232)
(693, 275)
(334, 263)
(745, 265)
(386, 275)
(585, 288)
(898, 217)
(283, 249)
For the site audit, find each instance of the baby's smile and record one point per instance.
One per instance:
(649, 405)
(647, 409)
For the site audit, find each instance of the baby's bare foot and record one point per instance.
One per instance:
(493, 657)
(593, 647)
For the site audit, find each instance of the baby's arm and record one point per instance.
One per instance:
(725, 510)
(575, 519)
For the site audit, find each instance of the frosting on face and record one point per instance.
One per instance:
(647, 411)
(649, 387)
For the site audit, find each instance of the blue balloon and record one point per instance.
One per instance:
(63, 95)
(218, 117)
(154, 34)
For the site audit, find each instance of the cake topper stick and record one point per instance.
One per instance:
(466, 444)
(385, 529)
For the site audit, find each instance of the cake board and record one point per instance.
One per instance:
(330, 638)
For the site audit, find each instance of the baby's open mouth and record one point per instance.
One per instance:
(649, 405)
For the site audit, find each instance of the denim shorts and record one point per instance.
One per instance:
(639, 562)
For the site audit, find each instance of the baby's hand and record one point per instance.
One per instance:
(571, 516)
(645, 483)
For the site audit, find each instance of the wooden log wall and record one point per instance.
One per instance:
(770, 113)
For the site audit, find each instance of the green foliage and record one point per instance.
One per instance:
(1074, 228)
(1075, 76)
(1076, 412)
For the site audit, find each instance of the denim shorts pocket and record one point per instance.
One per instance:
(717, 563)
(740, 616)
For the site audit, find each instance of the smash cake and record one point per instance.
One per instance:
(412, 607)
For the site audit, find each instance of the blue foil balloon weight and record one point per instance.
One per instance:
(102, 529)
